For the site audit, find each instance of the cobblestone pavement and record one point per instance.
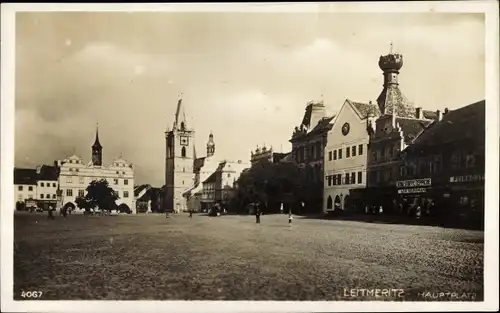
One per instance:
(233, 258)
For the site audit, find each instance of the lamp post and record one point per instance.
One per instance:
(59, 196)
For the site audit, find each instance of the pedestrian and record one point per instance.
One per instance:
(50, 213)
(290, 218)
(190, 213)
(281, 208)
(64, 211)
(380, 210)
(257, 214)
(418, 212)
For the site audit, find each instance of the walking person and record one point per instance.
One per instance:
(190, 213)
(50, 215)
(290, 217)
(257, 213)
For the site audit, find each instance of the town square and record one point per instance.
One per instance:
(287, 156)
(232, 258)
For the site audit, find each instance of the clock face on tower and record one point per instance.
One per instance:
(184, 141)
(345, 129)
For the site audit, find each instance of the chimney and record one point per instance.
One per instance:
(446, 111)
(418, 112)
(439, 115)
(318, 112)
(38, 169)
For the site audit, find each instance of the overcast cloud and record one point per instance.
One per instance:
(244, 76)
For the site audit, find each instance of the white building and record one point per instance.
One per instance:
(345, 158)
(46, 189)
(75, 176)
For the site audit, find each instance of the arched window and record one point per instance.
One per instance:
(329, 203)
(183, 152)
(337, 202)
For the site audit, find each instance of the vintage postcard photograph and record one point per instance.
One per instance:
(252, 157)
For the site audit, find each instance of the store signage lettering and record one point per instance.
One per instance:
(466, 178)
(412, 190)
(414, 183)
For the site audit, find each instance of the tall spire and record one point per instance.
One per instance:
(97, 149)
(97, 144)
(180, 115)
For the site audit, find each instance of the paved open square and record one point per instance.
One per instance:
(233, 258)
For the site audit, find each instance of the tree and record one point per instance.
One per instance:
(84, 203)
(99, 194)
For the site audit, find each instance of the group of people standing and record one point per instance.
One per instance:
(258, 213)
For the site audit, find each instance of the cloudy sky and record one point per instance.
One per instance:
(244, 76)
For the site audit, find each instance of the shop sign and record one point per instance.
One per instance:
(424, 182)
(412, 190)
(466, 178)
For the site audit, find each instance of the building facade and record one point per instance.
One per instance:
(46, 190)
(265, 155)
(399, 124)
(25, 186)
(345, 159)
(179, 161)
(75, 176)
(443, 170)
(308, 144)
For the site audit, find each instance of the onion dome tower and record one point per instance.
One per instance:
(391, 100)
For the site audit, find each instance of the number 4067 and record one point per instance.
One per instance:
(31, 294)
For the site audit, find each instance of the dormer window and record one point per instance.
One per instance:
(70, 161)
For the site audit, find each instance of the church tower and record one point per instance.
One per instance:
(179, 160)
(210, 145)
(391, 100)
(97, 150)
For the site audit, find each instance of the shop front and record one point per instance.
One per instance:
(415, 193)
(466, 199)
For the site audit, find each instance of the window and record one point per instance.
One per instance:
(20, 188)
(313, 152)
(117, 172)
(402, 171)
(42, 185)
(340, 154)
(353, 177)
(30, 188)
(125, 181)
(334, 180)
(360, 177)
(53, 196)
(41, 196)
(228, 175)
(125, 194)
(382, 153)
(69, 192)
(339, 179)
(347, 152)
(183, 152)
(346, 180)
(82, 180)
(470, 160)
(330, 155)
(329, 180)
(334, 154)
(68, 179)
(53, 184)
(81, 193)
(374, 156)
(77, 170)
(360, 150)
(70, 161)
(353, 151)
(455, 161)
(115, 181)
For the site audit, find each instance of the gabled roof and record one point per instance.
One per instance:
(411, 127)
(140, 188)
(322, 126)
(465, 123)
(364, 110)
(211, 178)
(47, 172)
(25, 176)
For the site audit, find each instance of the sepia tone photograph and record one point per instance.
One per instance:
(257, 156)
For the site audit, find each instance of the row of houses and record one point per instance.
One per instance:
(390, 152)
(60, 184)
